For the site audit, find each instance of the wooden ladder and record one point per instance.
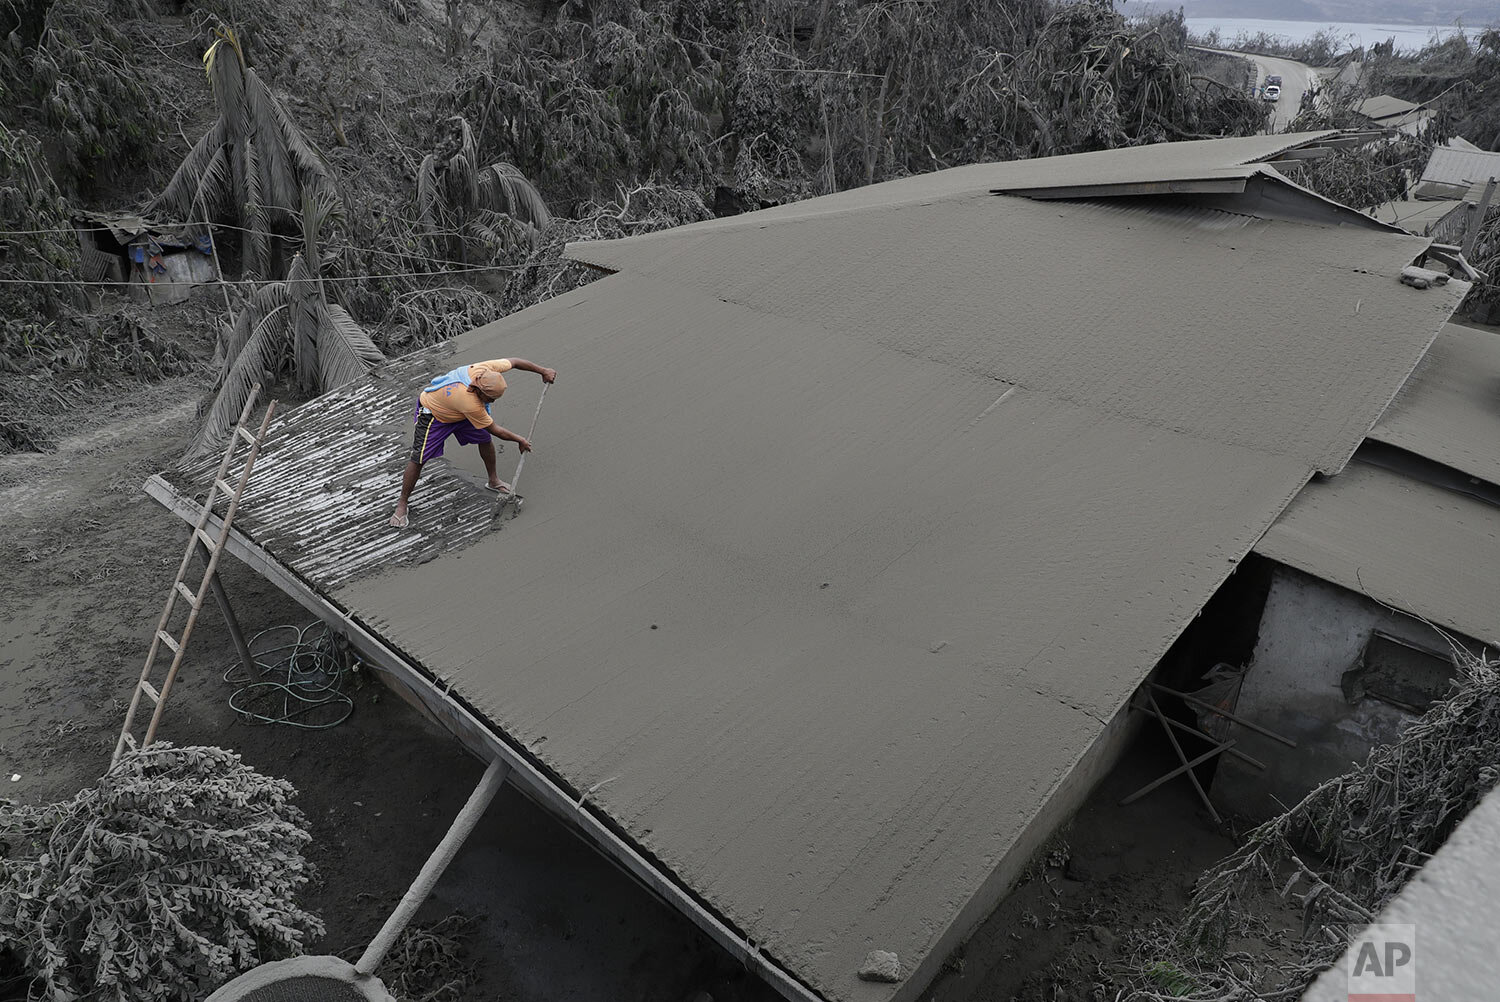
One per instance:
(215, 546)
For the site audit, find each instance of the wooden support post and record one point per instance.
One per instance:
(1186, 697)
(1476, 222)
(468, 817)
(1202, 795)
(1254, 762)
(230, 620)
(1223, 746)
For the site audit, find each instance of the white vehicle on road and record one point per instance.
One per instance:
(1271, 93)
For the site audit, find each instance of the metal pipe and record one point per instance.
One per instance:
(420, 888)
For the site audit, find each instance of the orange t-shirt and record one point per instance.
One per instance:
(456, 402)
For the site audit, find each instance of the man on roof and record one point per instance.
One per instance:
(457, 403)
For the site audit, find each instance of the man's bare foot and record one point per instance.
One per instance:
(499, 487)
(399, 520)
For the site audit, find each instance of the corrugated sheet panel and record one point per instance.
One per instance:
(822, 623)
(1384, 106)
(1461, 167)
(1157, 162)
(1096, 304)
(327, 478)
(1449, 411)
(1419, 548)
(1420, 217)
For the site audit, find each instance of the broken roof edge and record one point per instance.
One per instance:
(470, 727)
(1432, 338)
(1120, 164)
(1256, 190)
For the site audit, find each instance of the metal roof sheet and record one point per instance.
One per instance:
(1449, 410)
(1417, 215)
(1413, 546)
(1385, 106)
(1461, 167)
(1159, 162)
(1091, 303)
(851, 527)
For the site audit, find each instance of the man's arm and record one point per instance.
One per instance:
(509, 436)
(548, 375)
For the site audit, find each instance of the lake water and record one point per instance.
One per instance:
(1409, 37)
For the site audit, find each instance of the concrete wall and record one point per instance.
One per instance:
(1311, 632)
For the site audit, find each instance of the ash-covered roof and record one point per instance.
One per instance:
(853, 523)
(1384, 107)
(1419, 216)
(1417, 529)
(1449, 410)
(1425, 549)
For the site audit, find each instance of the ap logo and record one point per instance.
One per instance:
(1383, 964)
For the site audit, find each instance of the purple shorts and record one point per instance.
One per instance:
(430, 434)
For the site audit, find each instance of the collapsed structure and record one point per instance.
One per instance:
(855, 523)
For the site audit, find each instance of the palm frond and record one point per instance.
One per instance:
(505, 189)
(345, 351)
(179, 199)
(428, 196)
(282, 185)
(305, 158)
(465, 165)
(320, 207)
(267, 303)
(225, 65)
(305, 301)
(256, 364)
(257, 226)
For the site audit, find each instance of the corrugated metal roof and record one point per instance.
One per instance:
(1120, 301)
(1385, 106)
(853, 523)
(1451, 166)
(324, 482)
(1222, 158)
(1418, 216)
(1449, 410)
(1413, 546)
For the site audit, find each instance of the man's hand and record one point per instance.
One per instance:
(548, 375)
(522, 443)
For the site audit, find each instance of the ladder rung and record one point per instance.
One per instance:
(187, 593)
(224, 488)
(208, 540)
(129, 740)
(166, 638)
(150, 691)
(244, 433)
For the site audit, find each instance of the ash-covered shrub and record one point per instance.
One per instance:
(177, 871)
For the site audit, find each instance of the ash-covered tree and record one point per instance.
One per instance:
(286, 327)
(66, 72)
(253, 166)
(176, 871)
(473, 212)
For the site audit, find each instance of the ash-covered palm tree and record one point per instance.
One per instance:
(254, 165)
(466, 210)
(285, 326)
